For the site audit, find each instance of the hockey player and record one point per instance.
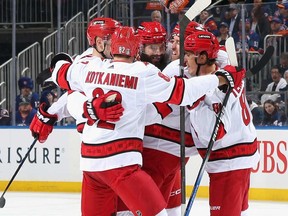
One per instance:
(111, 152)
(99, 33)
(234, 152)
(162, 140)
(153, 44)
(222, 58)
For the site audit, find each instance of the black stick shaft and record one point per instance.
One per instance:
(19, 167)
(184, 22)
(207, 155)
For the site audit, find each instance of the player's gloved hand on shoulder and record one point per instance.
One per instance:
(106, 108)
(42, 123)
(225, 80)
(238, 74)
(59, 57)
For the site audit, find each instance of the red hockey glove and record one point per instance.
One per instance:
(105, 108)
(238, 74)
(42, 124)
(59, 57)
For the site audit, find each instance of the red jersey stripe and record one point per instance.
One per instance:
(103, 150)
(166, 133)
(163, 109)
(231, 152)
(177, 93)
(62, 76)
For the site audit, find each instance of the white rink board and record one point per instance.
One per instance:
(55, 160)
(272, 171)
(58, 158)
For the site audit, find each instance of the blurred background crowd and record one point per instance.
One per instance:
(46, 27)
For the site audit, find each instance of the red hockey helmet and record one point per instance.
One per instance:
(176, 31)
(193, 27)
(215, 41)
(125, 41)
(151, 33)
(101, 27)
(201, 41)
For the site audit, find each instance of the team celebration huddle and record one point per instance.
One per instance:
(126, 93)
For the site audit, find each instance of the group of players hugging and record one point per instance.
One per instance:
(125, 94)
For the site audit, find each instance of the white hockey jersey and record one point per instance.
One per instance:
(236, 144)
(165, 135)
(71, 104)
(109, 145)
(59, 108)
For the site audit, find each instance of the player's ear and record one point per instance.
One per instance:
(99, 43)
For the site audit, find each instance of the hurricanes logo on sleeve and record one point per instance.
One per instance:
(164, 76)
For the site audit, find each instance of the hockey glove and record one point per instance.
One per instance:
(59, 57)
(42, 123)
(228, 77)
(237, 73)
(105, 108)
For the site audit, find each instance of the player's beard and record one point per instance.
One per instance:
(157, 60)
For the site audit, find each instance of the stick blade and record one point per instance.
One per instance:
(230, 48)
(197, 8)
(262, 62)
(2, 202)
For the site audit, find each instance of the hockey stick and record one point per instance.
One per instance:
(230, 48)
(2, 199)
(262, 62)
(207, 155)
(215, 3)
(192, 12)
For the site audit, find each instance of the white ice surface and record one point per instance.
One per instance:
(68, 204)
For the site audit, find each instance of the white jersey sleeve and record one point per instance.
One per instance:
(75, 103)
(66, 75)
(108, 145)
(173, 69)
(59, 107)
(179, 91)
